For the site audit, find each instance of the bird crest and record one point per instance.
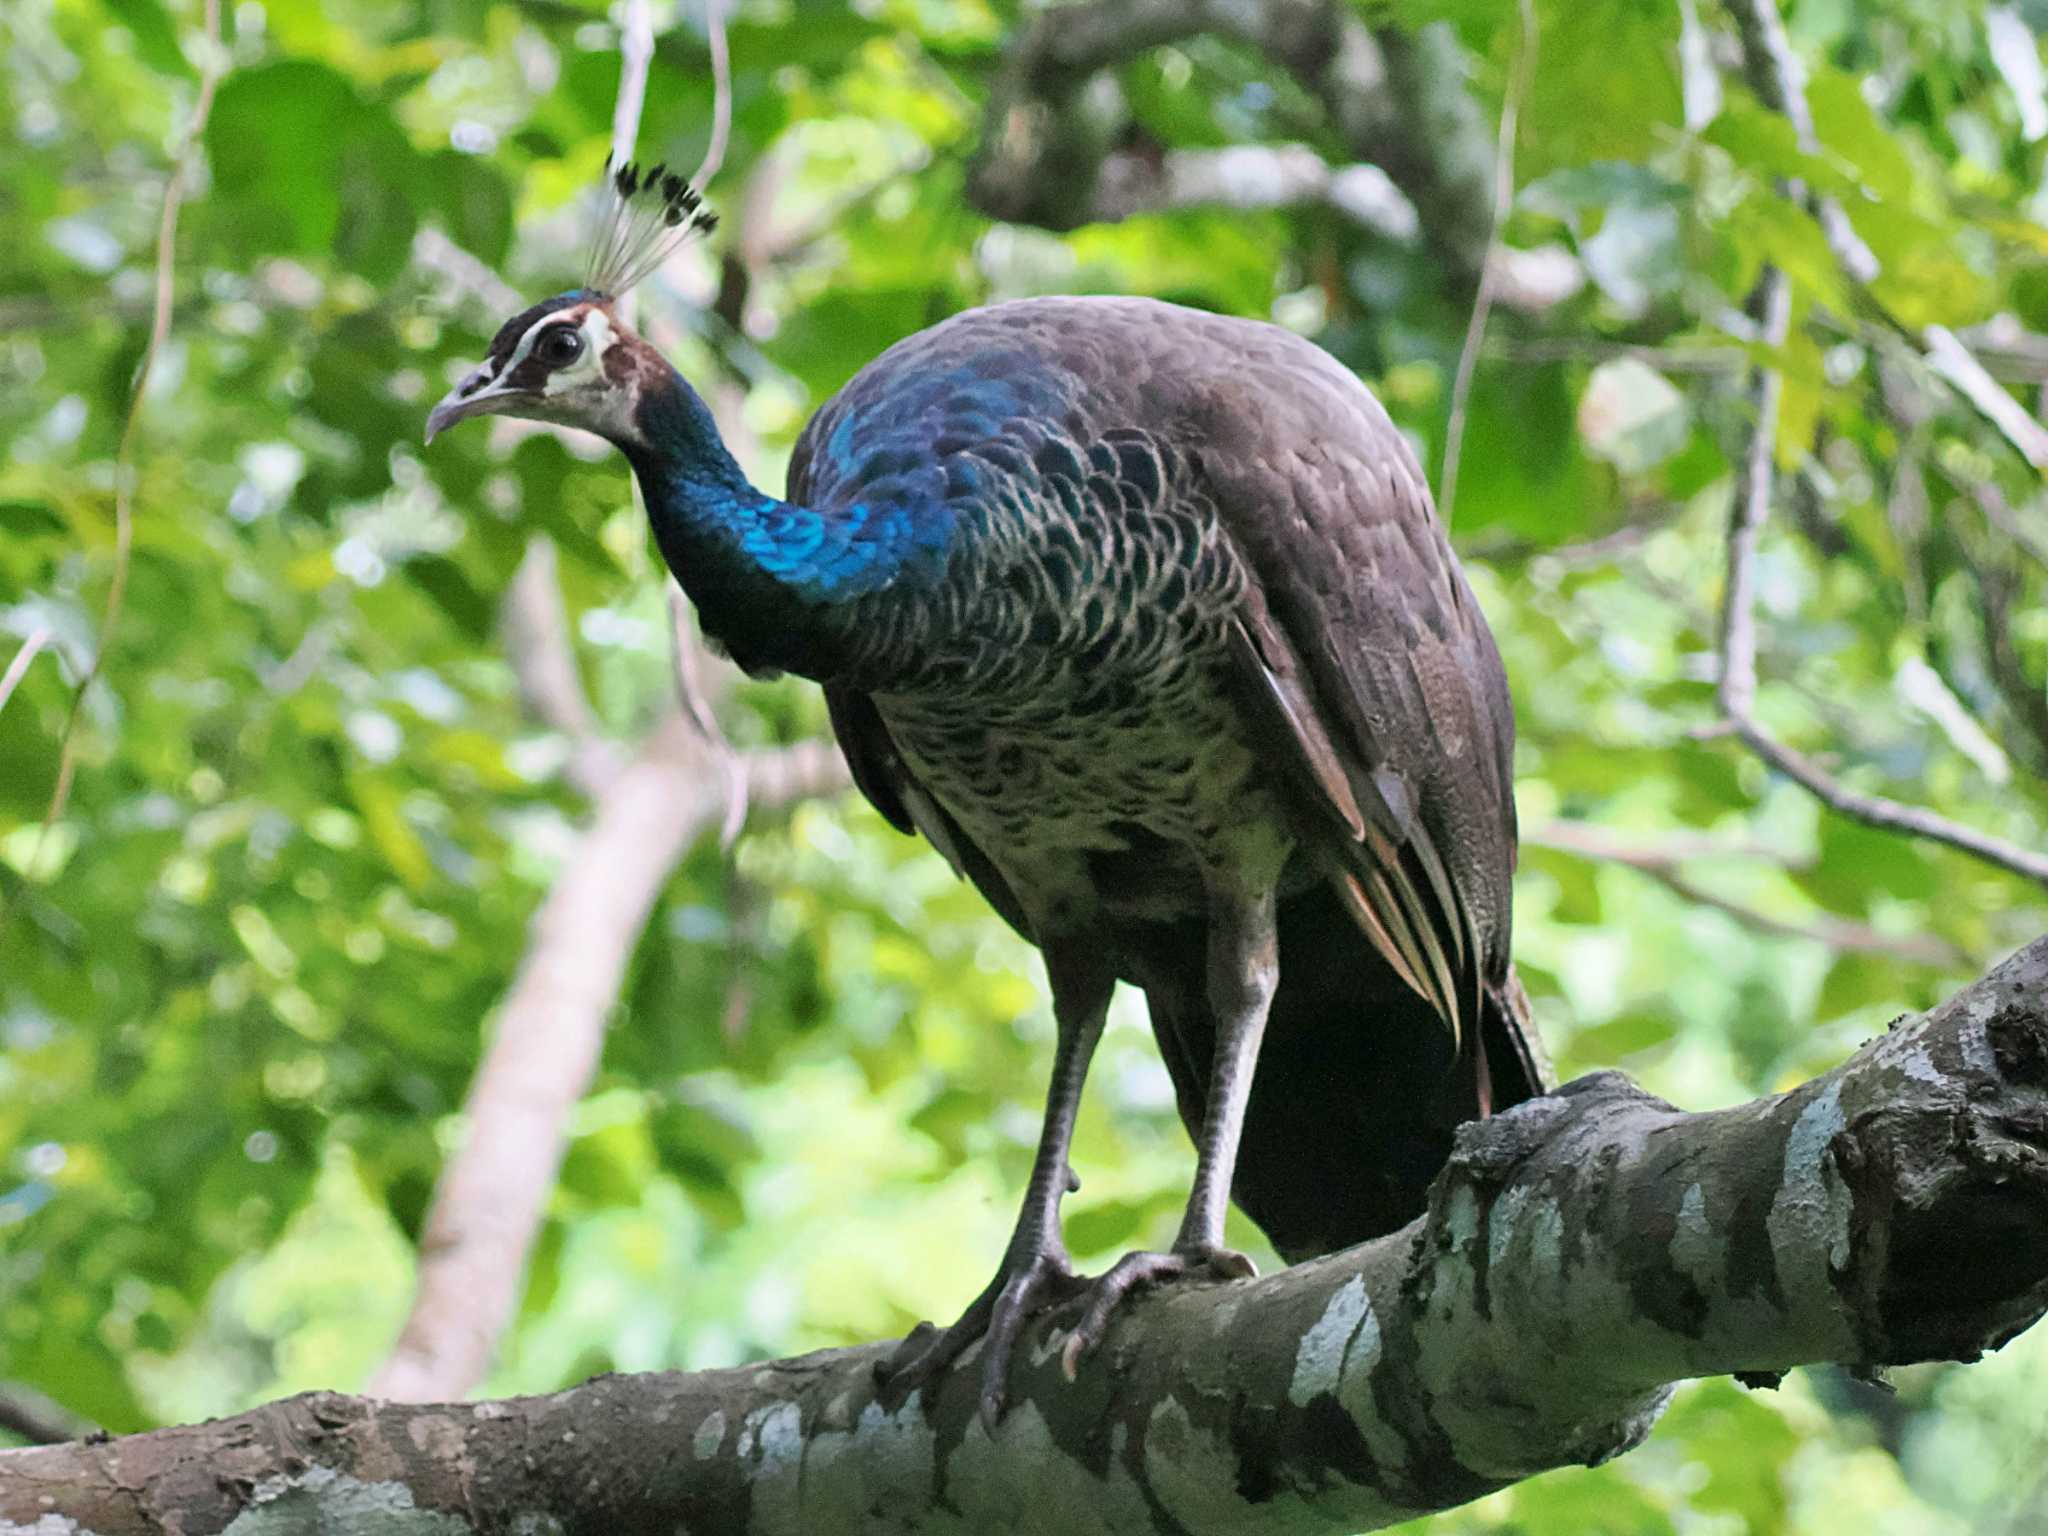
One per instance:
(650, 213)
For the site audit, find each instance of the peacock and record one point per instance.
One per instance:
(1141, 615)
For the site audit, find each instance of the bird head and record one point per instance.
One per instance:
(570, 359)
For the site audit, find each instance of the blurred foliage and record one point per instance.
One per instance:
(246, 976)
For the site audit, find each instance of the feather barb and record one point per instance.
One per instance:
(650, 213)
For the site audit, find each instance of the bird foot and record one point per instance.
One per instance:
(1044, 1279)
(1136, 1271)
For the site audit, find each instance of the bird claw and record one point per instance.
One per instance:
(996, 1317)
(1134, 1272)
(1045, 1279)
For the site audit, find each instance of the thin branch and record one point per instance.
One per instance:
(1489, 273)
(297, 669)
(1947, 355)
(636, 52)
(1570, 349)
(213, 64)
(1737, 690)
(438, 254)
(1773, 67)
(2010, 365)
(1752, 508)
(1670, 850)
(38, 1419)
(1998, 587)
(1999, 513)
(1645, 519)
(1252, 177)
(17, 668)
(1664, 863)
(2008, 348)
(1738, 696)
(763, 243)
(721, 93)
(1778, 78)
(536, 633)
(688, 652)
(1775, 73)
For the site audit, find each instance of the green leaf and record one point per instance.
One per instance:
(31, 519)
(1521, 467)
(1769, 228)
(389, 830)
(1106, 1225)
(1850, 129)
(1631, 416)
(304, 166)
(452, 592)
(1765, 144)
(470, 201)
(156, 37)
(1606, 84)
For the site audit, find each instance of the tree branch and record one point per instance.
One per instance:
(1769, 58)
(214, 61)
(1489, 278)
(1738, 675)
(1247, 177)
(17, 668)
(1779, 80)
(1737, 691)
(1665, 863)
(1579, 1254)
(1776, 75)
(535, 629)
(1397, 101)
(549, 1035)
(35, 1418)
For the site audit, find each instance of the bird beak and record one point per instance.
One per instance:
(474, 396)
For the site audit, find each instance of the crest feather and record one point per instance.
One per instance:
(650, 213)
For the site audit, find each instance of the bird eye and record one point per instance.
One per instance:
(561, 345)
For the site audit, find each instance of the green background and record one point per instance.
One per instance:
(243, 989)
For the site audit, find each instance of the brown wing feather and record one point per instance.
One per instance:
(870, 753)
(1366, 663)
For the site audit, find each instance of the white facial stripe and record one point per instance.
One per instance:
(579, 394)
(597, 337)
(589, 367)
(526, 344)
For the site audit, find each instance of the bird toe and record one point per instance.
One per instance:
(1228, 1264)
(995, 1318)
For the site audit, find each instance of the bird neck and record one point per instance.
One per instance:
(771, 581)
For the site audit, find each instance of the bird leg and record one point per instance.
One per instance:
(1036, 1271)
(1243, 970)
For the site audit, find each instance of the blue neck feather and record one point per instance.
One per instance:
(773, 582)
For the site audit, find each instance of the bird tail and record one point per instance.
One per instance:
(1509, 1050)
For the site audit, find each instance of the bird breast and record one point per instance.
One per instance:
(1112, 792)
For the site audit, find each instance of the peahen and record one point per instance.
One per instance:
(1143, 617)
